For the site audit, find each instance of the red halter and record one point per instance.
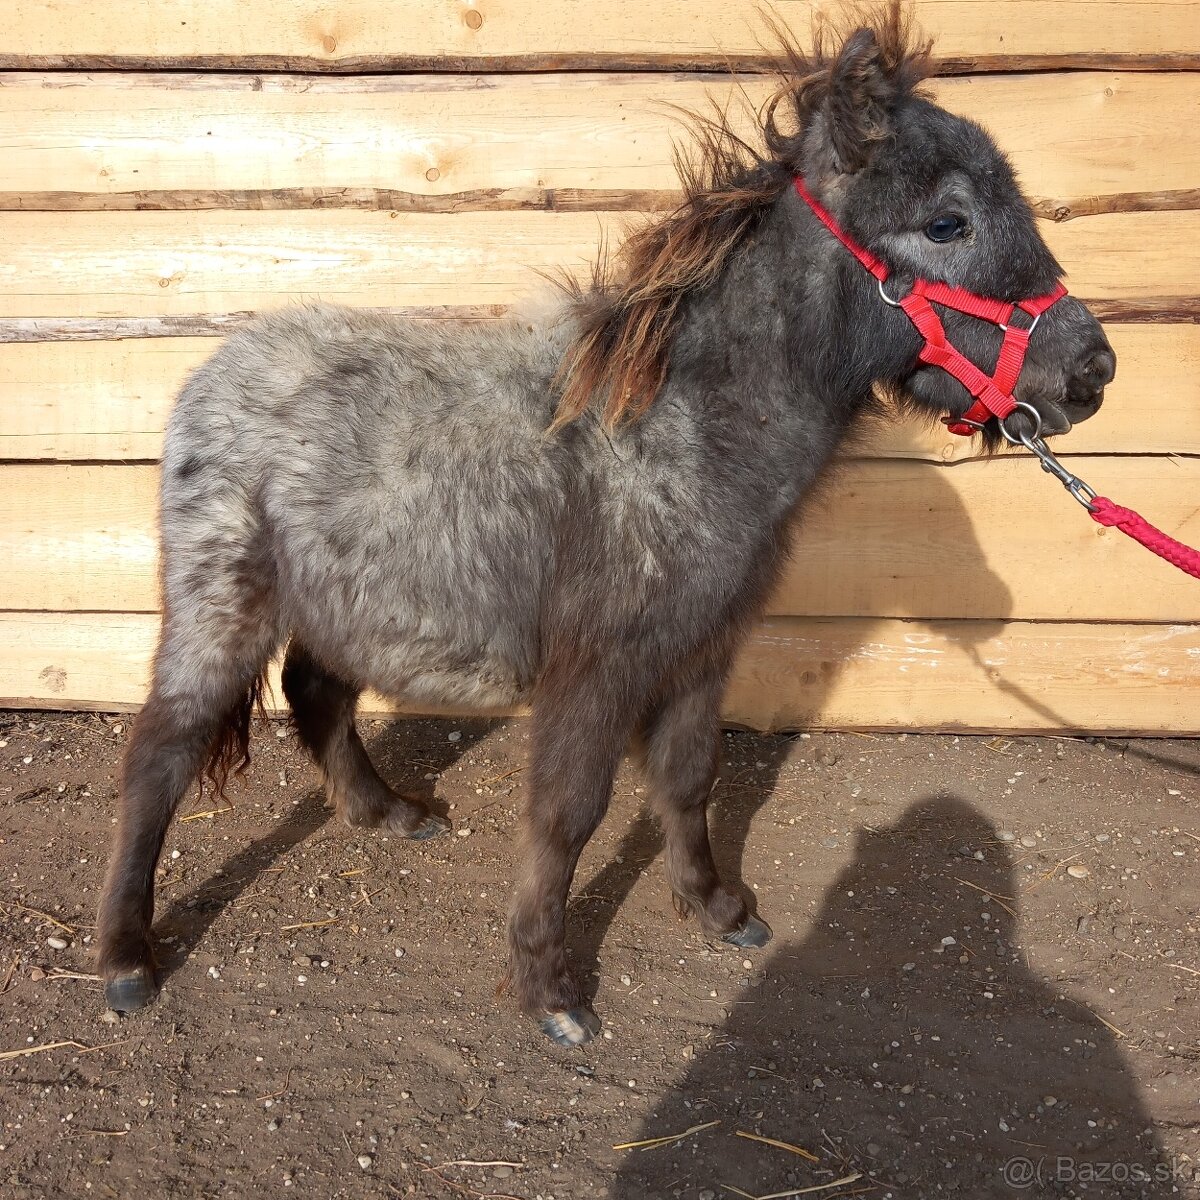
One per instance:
(993, 394)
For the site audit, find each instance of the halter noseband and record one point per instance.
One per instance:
(993, 394)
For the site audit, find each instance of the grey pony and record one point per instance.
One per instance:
(394, 501)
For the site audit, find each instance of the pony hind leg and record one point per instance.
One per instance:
(323, 712)
(679, 751)
(207, 679)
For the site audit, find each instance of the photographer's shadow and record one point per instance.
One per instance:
(903, 1037)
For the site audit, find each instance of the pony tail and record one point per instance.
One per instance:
(229, 751)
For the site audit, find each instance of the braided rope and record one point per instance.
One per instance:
(1137, 527)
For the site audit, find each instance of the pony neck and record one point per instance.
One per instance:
(778, 329)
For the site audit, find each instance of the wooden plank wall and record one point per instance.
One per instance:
(171, 168)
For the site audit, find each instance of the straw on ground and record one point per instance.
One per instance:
(766, 1141)
(804, 1191)
(654, 1143)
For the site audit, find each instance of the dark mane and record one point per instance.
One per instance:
(629, 316)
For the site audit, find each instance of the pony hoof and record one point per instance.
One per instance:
(753, 935)
(432, 826)
(127, 993)
(570, 1027)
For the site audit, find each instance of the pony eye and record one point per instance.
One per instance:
(945, 228)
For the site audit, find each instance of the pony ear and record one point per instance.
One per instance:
(859, 103)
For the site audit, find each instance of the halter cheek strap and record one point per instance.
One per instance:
(992, 393)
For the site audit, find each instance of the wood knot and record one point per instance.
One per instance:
(329, 42)
(473, 18)
(55, 678)
(433, 174)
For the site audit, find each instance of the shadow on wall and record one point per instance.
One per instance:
(930, 1068)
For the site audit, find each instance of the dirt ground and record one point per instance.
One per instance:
(983, 982)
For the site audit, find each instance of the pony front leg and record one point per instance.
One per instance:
(679, 750)
(580, 730)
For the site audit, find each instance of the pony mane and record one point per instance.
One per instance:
(628, 317)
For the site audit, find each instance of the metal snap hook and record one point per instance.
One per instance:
(1084, 494)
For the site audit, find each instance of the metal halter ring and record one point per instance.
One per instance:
(1032, 324)
(885, 297)
(1023, 439)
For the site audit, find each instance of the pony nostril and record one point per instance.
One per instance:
(1100, 368)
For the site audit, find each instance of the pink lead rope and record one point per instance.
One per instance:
(993, 395)
(1137, 527)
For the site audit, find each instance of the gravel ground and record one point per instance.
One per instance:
(983, 981)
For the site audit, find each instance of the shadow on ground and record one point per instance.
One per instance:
(393, 750)
(929, 1066)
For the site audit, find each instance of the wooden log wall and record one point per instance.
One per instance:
(170, 168)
